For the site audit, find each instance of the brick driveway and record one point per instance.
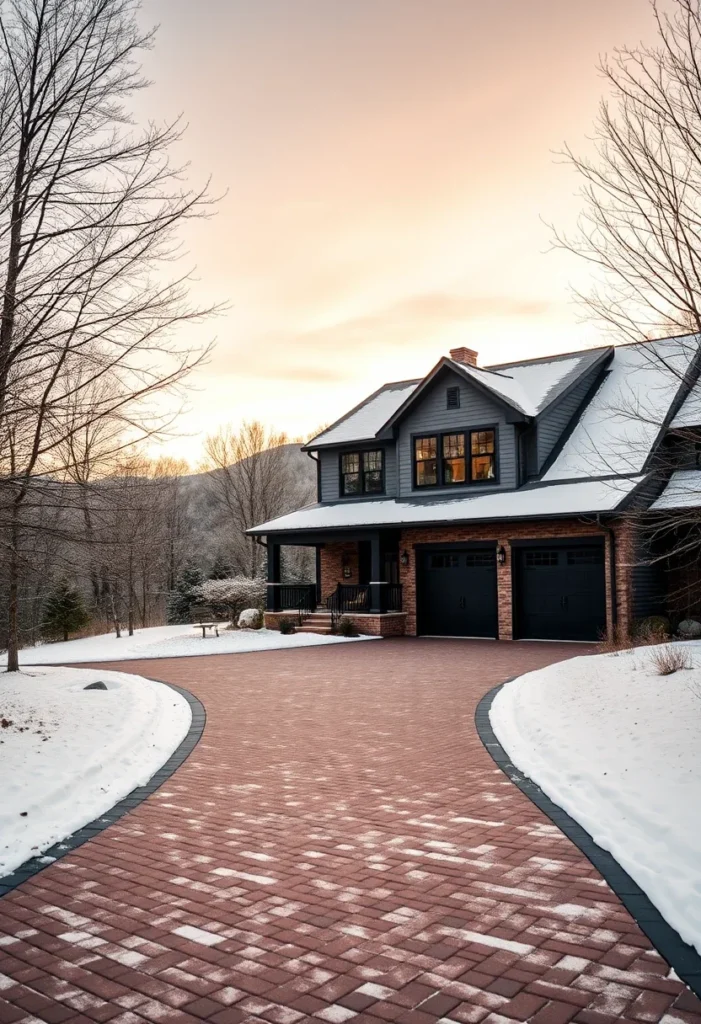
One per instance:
(339, 846)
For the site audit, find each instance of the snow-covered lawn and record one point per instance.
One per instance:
(169, 642)
(619, 748)
(68, 754)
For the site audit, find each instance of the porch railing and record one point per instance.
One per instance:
(298, 597)
(349, 598)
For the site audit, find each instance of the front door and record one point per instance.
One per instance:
(457, 592)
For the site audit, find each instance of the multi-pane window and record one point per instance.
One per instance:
(425, 449)
(465, 457)
(483, 457)
(453, 458)
(362, 473)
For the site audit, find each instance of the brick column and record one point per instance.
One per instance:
(504, 592)
(331, 559)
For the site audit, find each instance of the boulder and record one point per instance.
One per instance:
(250, 618)
(689, 629)
(95, 686)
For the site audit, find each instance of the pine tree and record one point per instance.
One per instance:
(64, 611)
(181, 599)
(220, 570)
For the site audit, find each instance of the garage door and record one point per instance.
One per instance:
(560, 592)
(457, 593)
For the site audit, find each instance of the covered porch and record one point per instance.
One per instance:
(356, 576)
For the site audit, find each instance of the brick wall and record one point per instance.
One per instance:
(502, 534)
(332, 558)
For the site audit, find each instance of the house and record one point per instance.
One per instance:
(495, 501)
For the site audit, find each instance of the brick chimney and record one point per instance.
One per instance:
(464, 355)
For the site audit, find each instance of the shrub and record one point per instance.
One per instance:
(346, 627)
(231, 596)
(653, 625)
(670, 658)
(64, 611)
(286, 626)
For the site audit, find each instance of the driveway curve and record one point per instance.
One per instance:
(339, 846)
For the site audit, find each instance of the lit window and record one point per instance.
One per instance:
(453, 458)
(425, 461)
(362, 473)
(482, 455)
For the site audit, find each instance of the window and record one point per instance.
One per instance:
(425, 461)
(454, 458)
(478, 559)
(585, 556)
(482, 455)
(541, 557)
(444, 561)
(453, 398)
(442, 460)
(362, 473)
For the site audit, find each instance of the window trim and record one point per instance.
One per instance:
(362, 493)
(439, 435)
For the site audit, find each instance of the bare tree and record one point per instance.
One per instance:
(251, 479)
(89, 212)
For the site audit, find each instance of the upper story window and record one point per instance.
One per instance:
(362, 473)
(465, 457)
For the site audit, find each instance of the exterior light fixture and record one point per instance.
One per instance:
(404, 559)
(501, 555)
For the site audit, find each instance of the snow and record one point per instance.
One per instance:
(525, 387)
(682, 491)
(561, 499)
(689, 414)
(621, 423)
(71, 754)
(183, 641)
(367, 419)
(544, 380)
(617, 746)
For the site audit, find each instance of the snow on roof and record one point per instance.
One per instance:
(689, 414)
(619, 426)
(682, 491)
(363, 422)
(543, 380)
(583, 497)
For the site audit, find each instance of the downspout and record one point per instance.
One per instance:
(612, 569)
(317, 549)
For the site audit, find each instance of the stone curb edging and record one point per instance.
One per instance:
(682, 957)
(128, 803)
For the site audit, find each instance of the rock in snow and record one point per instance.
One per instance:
(250, 618)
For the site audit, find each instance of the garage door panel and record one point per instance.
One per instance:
(457, 593)
(560, 592)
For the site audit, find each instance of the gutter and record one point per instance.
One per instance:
(311, 455)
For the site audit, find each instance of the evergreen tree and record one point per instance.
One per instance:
(220, 570)
(181, 598)
(64, 611)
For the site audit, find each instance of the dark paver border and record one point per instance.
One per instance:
(682, 957)
(137, 796)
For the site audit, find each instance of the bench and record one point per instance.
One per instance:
(202, 617)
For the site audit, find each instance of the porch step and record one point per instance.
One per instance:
(319, 630)
(316, 622)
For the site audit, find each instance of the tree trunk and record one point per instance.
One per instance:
(115, 617)
(12, 603)
(65, 634)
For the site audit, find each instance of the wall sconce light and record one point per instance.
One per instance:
(346, 572)
(404, 558)
(501, 555)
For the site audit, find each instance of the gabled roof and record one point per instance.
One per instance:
(365, 421)
(620, 426)
(585, 497)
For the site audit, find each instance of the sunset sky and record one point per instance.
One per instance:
(388, 166)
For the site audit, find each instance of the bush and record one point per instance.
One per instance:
(286, 626)
(231, 596)
(670, 658)
(689, 629)
(346, 627)
(64, 611)
(653, 626)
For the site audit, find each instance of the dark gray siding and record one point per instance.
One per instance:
(477, 409)
(554, 421)
(330, 461)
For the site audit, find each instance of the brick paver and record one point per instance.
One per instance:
(338, 847)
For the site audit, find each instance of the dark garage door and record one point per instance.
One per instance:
(559, 592)
(457, 592)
